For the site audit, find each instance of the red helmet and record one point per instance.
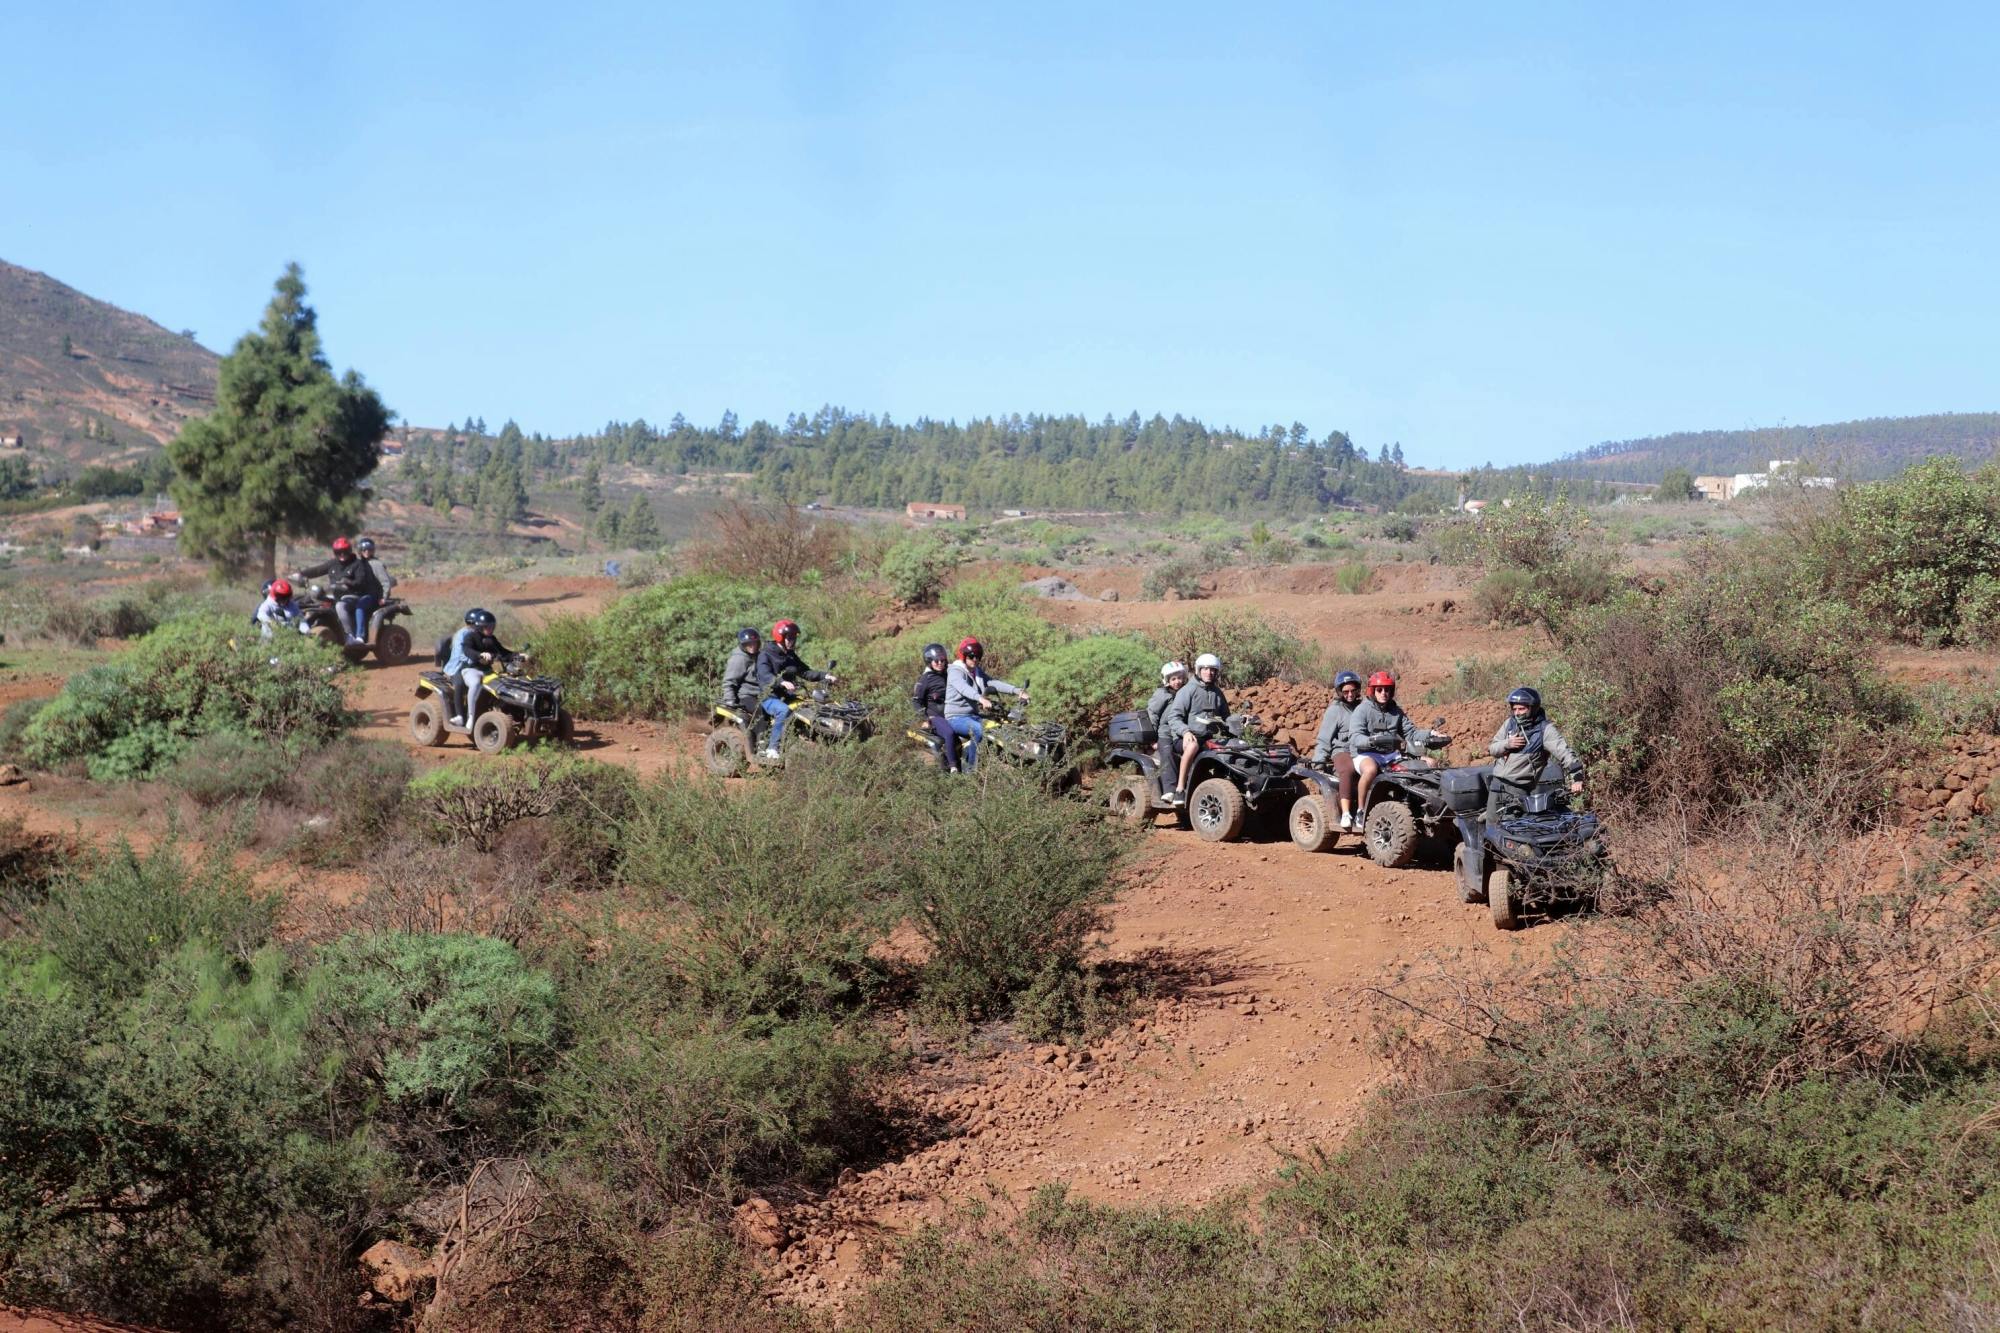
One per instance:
(1381, 679)
(281, 588)
(970, 650)
(339, 545)
(785, 631)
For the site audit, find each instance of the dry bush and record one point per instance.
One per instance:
(773, 544)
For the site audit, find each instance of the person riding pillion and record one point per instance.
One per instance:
(1183, 722)
(1380, 734)
(1330, 746)
(966, 686)
(277, 608)
(1173, 675)
(739, 673)
(779, 671)
(365, 548)
(928, 695)
(473, 649)
(1522, 748)
(352, 582)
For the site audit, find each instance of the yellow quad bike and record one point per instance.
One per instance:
(736, 737)
(514, 706)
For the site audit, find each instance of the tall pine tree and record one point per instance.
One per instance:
(286, 449)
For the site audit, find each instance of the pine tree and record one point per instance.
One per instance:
(640, 530)
(286, 449)
(593, 488)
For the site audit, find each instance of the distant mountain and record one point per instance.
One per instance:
(85, 381)
(1877, 447)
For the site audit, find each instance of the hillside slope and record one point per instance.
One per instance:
(121, 384)
(1875, 447)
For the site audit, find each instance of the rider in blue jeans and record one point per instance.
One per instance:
(965, 689)
(779, 669)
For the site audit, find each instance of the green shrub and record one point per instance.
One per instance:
(1354, 577)
(1545, 561)
(14, 722)
(1907, 551)
(227, 766)
(1180, 575)
(1507, 597)
(1012, 906)
(1253, 648)
(657, 652)
(1080, 684)
(431, 1034)
(1978, 611)
(358, 787)
(918, 567)
(187, 679)
(473, 800)
(108, 919)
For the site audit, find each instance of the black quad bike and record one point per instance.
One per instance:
(1040, 746)
(736, 737)
(1234, 774)
(1406, 813)
(389, 641)
(513, 706)
(1315, 820)
(1547, 853)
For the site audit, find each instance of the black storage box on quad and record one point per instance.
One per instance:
(1132, 729)
(1464, 789)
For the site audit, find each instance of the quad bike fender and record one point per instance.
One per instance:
(1326, 784)
(1145, 763)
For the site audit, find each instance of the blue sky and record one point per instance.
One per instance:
(1487, 232)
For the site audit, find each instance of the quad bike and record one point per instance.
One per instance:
(1406, 812)
(736, 739)
(513, 706)
(1233, 774)
(389, 641)
(1546, 851)
(1041, 746)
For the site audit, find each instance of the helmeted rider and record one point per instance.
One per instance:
(1173, 675)
(739, 674)
(365, 548)
(473, 649)
(1380, 734)
(1182, 721)
(1521, 749)
(1330, 746)
(779, 671)
(277, 608)
(928, 696)
(966, 687)
(352, 582)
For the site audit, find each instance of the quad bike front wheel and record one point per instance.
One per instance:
(1312, 825)
(1469, 889)
(725, 752)
(1391, 834)
(493, 732)
(1504, 900)
(392, 645)
(565, 728)
(1215, 807)
(427, 722)
(1131, 800)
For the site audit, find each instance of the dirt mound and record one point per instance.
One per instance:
(1963, 782)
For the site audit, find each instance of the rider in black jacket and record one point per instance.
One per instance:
(353, 583)
(928, 696)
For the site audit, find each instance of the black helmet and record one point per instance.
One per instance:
(1346, 678)
(480, 618)
(1525, 695)
(366, 546)
(746, 636)
(934, 652)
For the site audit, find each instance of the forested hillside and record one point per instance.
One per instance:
(1156, 465)
(1862, 450)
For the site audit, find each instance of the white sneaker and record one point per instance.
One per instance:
(771, 755)
(458, 722)
(1347, 821)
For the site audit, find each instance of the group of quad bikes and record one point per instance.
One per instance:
(1540, 856)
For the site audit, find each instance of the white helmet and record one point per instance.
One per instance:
(1172, 669)
(1208, 660)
